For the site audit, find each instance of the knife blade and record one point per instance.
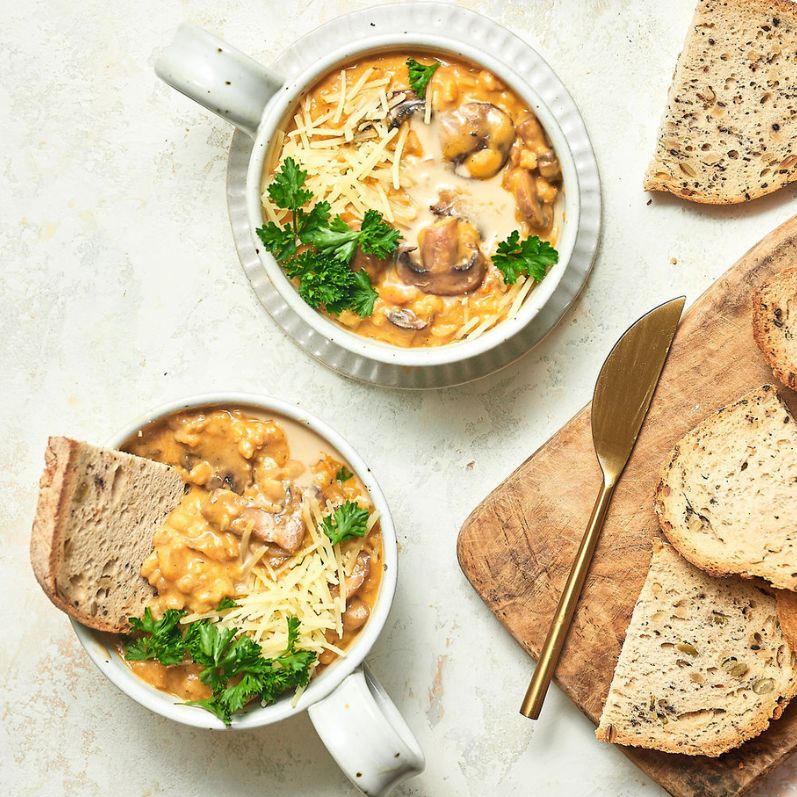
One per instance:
(623, 392)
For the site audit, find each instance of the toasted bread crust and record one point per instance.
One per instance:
(55, 489)
(786, 603)
(772, 324)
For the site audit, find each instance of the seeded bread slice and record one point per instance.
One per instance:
(704, 666)
(775, 325)
(727, 496)
(730, 130)
(96, 515)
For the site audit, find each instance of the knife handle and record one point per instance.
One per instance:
(557, 633)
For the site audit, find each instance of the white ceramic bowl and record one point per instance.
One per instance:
(257, 100)
(280, 106)
(364, 739)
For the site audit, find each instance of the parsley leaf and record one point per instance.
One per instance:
(348, 521)
(337, 239)
(377, 237)
(531, 256)
(159, 639)
(343, 474)
(293, 634)
(325, 280)
(420, 75)
(322, 280)
(226, 603)
(280, 241)
(311, 221)
(286, 189)
(361, 296)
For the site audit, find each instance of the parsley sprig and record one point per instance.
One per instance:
(349, 520)
(531, 257)
(159, 639)
(322, 267)
(420, 75)
(233, 665)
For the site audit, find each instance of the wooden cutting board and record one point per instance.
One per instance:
(517, 546)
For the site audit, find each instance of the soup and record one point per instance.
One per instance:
(252, 545)
(445, 155)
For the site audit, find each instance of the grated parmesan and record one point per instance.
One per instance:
(346, 151)
(300, 587)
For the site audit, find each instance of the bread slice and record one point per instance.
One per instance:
(775, 325)
(786, 601)
(96, 515)
(704, 666)
(727, 496)
(730, 130)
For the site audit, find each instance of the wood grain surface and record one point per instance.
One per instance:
(517, 546)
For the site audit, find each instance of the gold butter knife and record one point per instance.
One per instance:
(620, 403)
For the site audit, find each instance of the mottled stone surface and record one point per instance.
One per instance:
(121, 289)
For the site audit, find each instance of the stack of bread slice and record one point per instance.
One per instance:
(707, 661)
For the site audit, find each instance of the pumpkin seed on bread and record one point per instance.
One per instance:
(729, 133)
(775, 325)
(95, 518)
(727, 493)
(704, 667)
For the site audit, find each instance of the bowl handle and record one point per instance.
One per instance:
(366, 735)
(217, 76)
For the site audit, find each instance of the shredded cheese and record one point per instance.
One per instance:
(352, 158)
(402, 139)
(342, 97)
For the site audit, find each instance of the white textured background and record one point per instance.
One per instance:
(121, 289)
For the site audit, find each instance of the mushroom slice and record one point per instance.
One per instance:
(449, 203)
(371, 264)
(530, 130)
(445, 205)
(356, 615)
(405, 319)
(360, 572)
(548, 165)
(477, 136)
(402, 105)
(448, 262)
(228, 468)
(284, 529)
(524, 189)
(354, 582)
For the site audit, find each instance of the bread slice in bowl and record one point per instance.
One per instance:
(97, 512)
(727, 495)
(729, 133)
(775, 325)
(705, 665)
